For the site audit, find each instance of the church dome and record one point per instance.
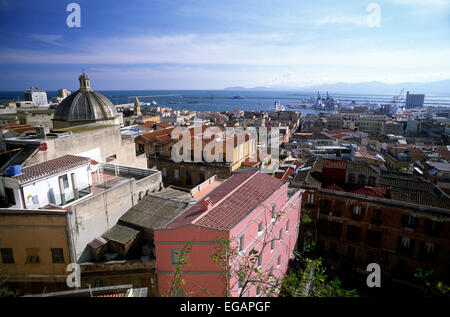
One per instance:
(85, 105)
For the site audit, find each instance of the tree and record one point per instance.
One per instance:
(437, 289)
(246, 268)
(311, 281)
(177, 280)
(5, 291)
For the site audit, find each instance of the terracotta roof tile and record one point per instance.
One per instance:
(232, 201)
(50, 167)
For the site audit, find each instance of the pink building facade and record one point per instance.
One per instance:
(253, 210)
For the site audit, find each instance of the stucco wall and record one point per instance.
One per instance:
(95, 215)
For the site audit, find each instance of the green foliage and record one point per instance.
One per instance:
(438, 289)
(311, 281)
(306, 219)
(177, 279)
(6, 292)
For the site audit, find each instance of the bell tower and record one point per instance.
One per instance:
(137, 107)
(85, 82)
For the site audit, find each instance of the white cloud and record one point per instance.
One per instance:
(252, 58)
(342, 20)
(422, 2)
(53, 39)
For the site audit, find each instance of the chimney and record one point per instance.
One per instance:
(207, 204)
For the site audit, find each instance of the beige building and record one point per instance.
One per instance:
(373, 125)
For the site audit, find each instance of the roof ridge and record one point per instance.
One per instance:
(223, 198)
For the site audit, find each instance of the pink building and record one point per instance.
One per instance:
(253, 210)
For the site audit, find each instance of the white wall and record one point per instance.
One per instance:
(43, 187)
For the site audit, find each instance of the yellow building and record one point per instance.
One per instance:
(35, 249)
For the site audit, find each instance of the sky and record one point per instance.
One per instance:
(209, 44)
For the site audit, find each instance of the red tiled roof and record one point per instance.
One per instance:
(111, 295)
(234, 199)
(371, 191)
(339, 131)
(335, 187)
(50, 167)
(18, 128)
(157, 134)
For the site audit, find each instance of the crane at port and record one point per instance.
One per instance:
(397, 98)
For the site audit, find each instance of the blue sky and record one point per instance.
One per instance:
(208, 44)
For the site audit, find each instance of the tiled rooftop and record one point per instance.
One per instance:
(50, 167)
(232, 201)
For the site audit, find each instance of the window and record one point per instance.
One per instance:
(273, 212)
(272, 245)
(357, 211)
(259, 260)
(310, 199)
(405, 245)
(9, 193)
(279, 260)
(164, 172)
(65, 181)
(7, 255)
(287, 225)
(32, 256)
(241, 243)
(325, 206)
(99, 283)
(374, 238)
(188, 178)
(178, 292)
(429, 251)
(377, 217)
(351, 178)
(410, 222)
(258, 290)
(260, 227)
(429, 247)
(175, 256)
(433, 228)
(57, 255)
(176, 174)
(280, 234)
(353, 233)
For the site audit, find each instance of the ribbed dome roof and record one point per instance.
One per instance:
(85, 104)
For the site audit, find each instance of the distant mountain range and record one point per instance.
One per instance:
(370, 87)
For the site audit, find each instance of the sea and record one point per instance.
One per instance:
(230, 100)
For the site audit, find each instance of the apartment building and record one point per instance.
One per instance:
(397, 220)
(255, 211)
(203, 161)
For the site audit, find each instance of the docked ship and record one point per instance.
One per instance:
(277, 107)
